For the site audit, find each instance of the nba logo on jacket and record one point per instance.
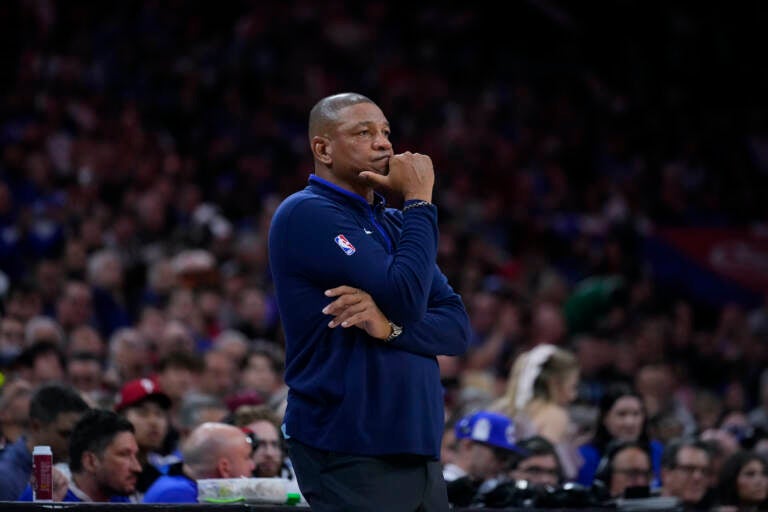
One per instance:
(345, 245)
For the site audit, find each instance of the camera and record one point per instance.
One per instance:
(521, 494)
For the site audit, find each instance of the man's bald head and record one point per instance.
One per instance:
(211, 442)
(325, 113)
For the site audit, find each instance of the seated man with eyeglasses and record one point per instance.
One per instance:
(533, 478)
(262, 427)
(625, 471)
(686, 470)
(538, 464)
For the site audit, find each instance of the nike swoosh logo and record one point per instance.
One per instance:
(367, 232)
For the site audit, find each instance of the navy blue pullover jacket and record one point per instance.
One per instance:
(349, 392)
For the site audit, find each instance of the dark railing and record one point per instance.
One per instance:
(16, 506)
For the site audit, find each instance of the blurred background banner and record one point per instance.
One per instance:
(719, 265)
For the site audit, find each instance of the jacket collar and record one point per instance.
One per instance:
(328, 189)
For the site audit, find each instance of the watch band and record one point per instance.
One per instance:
(396, 331)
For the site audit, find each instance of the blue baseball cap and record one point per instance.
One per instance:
(489, 428)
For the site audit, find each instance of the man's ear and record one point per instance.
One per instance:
(90, 461)
(223, 467)
(321, 149)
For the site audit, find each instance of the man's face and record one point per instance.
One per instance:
(118, 467)
(150, 422)
(688, 479)
(86, 339)
(268, 452)
(259, 375)
(631, 468)
(484, 462)
(360, 142)
(220, 374)
(176, 381)
(538, 470)
(76, 306)
(47, 368)
(57, 433)
(84, 375)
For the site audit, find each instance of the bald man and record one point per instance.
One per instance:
(212, 450)
(365, 318)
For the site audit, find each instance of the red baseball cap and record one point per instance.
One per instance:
(243, 398)
(138, 390)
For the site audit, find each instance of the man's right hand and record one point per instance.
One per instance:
(353, 307)
(410, 174)
(60, 484)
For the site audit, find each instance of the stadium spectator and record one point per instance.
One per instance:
(263, 426)
(212, 450)
(487, 450)
(104, 464)
(540, 387)
(743, 482)
(14, 411)
(685, 472)
(621, 417)
(143, 403)
(263, 373)
(626, 464)
(538, 464)
(54, 410)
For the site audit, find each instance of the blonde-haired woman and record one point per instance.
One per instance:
(541, 384)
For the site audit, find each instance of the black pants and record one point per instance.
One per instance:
(332, 481)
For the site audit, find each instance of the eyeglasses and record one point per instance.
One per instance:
(690, 470)
(633, 473)
(257, 443)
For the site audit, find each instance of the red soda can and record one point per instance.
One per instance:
(42, 473)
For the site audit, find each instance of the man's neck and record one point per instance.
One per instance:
(190, 473)
(87, 486)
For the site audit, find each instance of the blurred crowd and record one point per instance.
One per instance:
(144, 146)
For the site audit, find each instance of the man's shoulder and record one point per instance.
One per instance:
(14, 453)
(304, 204)
(172, 489)
(299, 197)
(172, 481)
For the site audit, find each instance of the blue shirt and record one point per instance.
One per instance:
(15, 468)
(172, 489)
(349, 392)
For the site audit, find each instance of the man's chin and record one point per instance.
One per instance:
(269, 472)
